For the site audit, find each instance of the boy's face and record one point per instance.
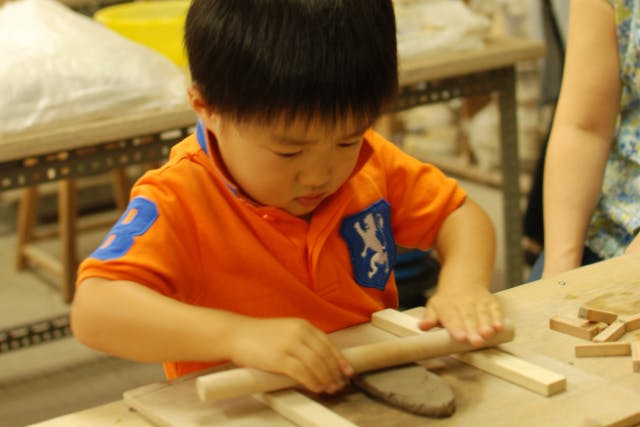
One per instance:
(290, 165)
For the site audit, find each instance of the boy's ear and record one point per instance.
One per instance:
(206, 113)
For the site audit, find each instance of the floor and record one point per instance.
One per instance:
(48, 380)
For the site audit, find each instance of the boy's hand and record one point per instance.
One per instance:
(470, 313)
(293, 347)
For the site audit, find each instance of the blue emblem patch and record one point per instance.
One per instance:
(371, 245)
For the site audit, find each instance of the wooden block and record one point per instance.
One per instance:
(603, 349)
(492, 361)
(612, 332)
(596, 315)
(581, 328)
(301, 410)
(635, 355)
(515, 370)
(632, 322)
(395, 322)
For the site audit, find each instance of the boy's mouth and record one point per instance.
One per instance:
(310, 199)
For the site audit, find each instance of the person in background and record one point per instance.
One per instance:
(592, 167)
(276, 222)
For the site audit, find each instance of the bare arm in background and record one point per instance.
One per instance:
(582, 132)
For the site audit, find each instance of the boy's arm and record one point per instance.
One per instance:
(132, 321)
(463, 302)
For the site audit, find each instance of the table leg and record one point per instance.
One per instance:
(510, 166)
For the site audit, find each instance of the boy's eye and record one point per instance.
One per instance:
(349, 144)
(287, 155)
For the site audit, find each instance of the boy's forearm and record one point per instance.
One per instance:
(466, 247)
(131, 321)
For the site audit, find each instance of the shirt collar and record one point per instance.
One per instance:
(204, 140)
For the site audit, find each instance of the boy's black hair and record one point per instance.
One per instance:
(263, 59)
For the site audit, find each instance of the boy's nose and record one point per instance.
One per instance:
(316, 174)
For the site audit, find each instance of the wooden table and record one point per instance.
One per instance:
(602, 387)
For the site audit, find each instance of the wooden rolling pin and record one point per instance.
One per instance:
(363, 358)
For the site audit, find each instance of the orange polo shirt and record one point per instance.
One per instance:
(189, 234)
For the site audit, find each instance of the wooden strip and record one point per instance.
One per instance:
(395, 322)
(492, 361)
(301, 410)
(612, 332)
(42, 258)
(596, 315)
(603, 349)
(632, 322)
(27, 219)
(581, 328)
(635, 355)
(515, 370)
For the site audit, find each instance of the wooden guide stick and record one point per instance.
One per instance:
(363, 358)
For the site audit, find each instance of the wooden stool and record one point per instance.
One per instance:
(66, 265)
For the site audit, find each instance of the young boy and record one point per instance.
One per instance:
(276, 222)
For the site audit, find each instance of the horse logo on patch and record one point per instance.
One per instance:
(371, 245)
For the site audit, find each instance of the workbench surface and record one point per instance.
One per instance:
(600, 390)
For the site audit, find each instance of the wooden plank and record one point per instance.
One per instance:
(499, 52)
(612, 332)
(43, 259)
(603, 349)
(597, 315)
(395, 322)
(632, 322)
(176, 404)
(88, 133)
(581, 328)
(492, 361)
(635, 356)
(516, 371)
(301, 410)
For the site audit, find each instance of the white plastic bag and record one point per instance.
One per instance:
(432, 26)
(59, 67)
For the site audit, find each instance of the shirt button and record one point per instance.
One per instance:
(267, 217)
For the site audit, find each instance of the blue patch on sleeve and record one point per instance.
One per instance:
(371, 245)
(139, 216)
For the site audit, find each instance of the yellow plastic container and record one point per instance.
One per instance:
(156, 24)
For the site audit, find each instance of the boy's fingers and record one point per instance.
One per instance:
(486, 322)
(334, 364)
(469, 317)
(454, 321)
(497, 315)
(322, 367)
(294, 368)
(429, 318)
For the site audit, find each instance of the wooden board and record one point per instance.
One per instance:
(176, 404)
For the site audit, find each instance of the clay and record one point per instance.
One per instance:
(410, 387)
